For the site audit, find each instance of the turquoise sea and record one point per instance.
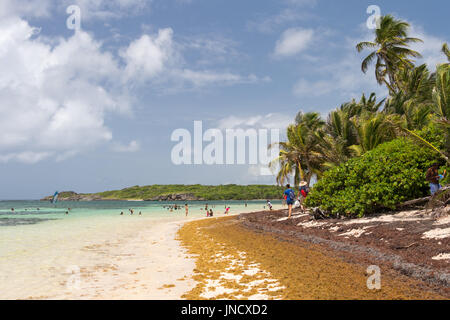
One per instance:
(42, 248)
(19, 213)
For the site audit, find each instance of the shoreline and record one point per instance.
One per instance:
(231, 264)
(139, 260)
(255, 255)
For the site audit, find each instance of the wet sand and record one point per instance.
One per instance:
(141, 260)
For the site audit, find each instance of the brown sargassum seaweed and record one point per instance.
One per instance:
(240, 264)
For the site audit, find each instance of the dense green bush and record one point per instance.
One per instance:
(392, 173)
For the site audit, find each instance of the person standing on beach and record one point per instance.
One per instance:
(303, 193)
(290, 198)
(269, 204)
(186, 208)
(433, 177)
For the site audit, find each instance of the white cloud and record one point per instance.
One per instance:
(133, 146)
(29, 8)
(159, 59)
(268, 121)
(24, 157)
(54, 99)
(294, 12)
(106, 9)
(293, 41)
(430, 48)
(98, 9)
(148, 55)
(56, 93)
(203, 78)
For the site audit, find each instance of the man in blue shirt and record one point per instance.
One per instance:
(290, 198)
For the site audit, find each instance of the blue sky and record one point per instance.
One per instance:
(95, 110)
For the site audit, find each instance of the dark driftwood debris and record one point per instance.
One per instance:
(422, 201)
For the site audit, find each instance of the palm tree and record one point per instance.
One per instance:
(371, 130)
(390, 51)
(441, 93)
(413, 101)
(446, 51)
(441, 99)
(311, 120)
(364, 105)
(441, 108)
(299, 155)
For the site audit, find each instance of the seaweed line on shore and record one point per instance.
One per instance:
(434, 277)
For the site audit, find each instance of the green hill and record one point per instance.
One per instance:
(180, 193)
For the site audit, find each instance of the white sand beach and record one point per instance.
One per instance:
(98, 256)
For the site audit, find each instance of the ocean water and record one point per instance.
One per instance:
(41, 245)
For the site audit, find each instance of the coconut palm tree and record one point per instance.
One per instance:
(441, 93)
(299, 155)
(371, 130)
(446, 51)
(391, 51)
(413, 101)
(441, 109)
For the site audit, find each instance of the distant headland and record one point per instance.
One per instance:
(178, 193)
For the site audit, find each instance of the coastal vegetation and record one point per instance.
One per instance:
(372, 154)
(182, 193)
(380, 179)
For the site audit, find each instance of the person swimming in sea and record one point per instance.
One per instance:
(121, 213)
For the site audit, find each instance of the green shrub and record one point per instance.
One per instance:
(392, 173)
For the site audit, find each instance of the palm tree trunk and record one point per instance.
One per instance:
(300, 169)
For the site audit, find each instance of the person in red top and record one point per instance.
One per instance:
(303, 193)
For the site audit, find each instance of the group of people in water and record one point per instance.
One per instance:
(131, 212)
(209, 210)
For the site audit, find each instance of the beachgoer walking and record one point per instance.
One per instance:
(303, 193)
(433, 177)
(290, 198)
(269, 204)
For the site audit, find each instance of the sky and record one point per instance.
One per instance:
(95, 108)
